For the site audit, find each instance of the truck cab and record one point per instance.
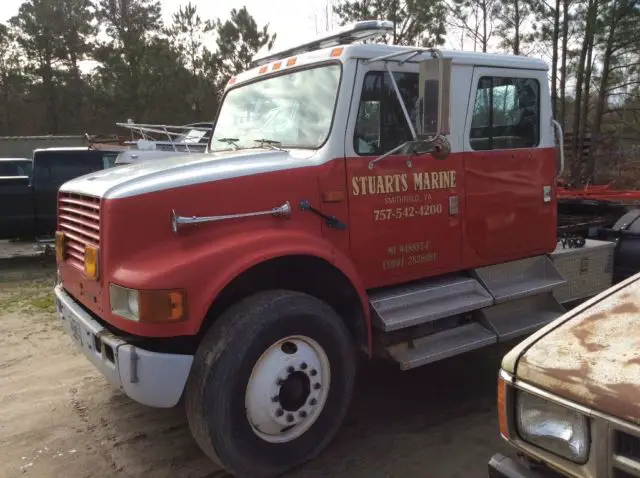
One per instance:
(396, 201)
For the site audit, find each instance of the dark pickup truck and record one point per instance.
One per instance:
(12, 167)
(28, 202)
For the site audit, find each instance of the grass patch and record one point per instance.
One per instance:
(36, 296)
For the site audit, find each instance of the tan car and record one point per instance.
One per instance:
(569, 395)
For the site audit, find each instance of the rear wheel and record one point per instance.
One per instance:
(271, 383)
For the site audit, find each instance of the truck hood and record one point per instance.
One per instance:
(593, 357)
(184, 170)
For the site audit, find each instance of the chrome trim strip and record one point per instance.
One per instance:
(283, 211)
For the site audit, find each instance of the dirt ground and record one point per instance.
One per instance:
(58, 417)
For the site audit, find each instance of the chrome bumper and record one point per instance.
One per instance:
(150, 378)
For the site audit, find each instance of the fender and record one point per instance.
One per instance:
(205, 269)
(259, 249)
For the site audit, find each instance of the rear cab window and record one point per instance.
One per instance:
(506, 114)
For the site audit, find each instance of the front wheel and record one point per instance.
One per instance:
(271, 383)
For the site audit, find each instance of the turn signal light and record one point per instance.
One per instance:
(91, 262)
(158, 306)
(502, 407)
(60, 254)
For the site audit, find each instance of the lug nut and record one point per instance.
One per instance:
(313, 372)
(316, 386)
(290, 418)
(313, 402)
(303, 366)
(303, 414)
(279, 412)
(290, 369)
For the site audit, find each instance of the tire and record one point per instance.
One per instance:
(235, 376)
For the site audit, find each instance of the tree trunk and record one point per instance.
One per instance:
(602, 94)
(563, 68)
(575, 154)
(50, 95)
(516, 40)
(485, 40)
(5, 100)
(554, 60)
(584, 114)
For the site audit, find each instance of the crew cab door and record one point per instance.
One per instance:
(509, 165)
(403, 211)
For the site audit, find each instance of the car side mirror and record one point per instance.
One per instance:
(434, 98)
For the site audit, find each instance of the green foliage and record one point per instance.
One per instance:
(141, 68)
(417, 22)
(239, 39)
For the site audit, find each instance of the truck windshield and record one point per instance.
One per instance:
(294, 109)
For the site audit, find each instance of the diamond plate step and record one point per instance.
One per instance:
(521, 278)
(521, 317)
(441, 345)
(415, 304)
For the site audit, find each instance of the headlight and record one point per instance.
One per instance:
(150, 306)
(125, 302)
(552, 427)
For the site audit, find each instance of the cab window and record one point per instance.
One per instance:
(380, 124)
(506, 114)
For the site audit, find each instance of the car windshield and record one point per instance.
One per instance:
(294, 110)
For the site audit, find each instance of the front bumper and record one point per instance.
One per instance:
(151, 378)
(501, 466)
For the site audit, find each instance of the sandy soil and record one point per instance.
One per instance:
(58, 417)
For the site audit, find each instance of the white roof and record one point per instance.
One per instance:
(63, 148)
(373, 50)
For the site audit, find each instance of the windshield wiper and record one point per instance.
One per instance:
(270, 143)
(232, 141)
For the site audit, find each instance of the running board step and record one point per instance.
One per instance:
(441, 345)
(521, 278)
(415, 304)
(521, 317)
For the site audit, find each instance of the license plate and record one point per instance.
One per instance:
(76, 331)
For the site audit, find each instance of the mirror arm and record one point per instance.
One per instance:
(402, 105)
(388, 153)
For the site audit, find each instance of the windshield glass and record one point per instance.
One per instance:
(295, 109)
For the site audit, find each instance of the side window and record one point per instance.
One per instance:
(380, 124)
(506, 114)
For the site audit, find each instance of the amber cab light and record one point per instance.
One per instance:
(60, 239)
(91, 268)
(502, 407)
(162, 306)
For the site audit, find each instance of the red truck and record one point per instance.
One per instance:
(354, 197)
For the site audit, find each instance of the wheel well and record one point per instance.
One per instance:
(308, 274)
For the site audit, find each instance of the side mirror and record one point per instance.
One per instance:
(434, 98)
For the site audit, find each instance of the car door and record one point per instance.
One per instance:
(509, 165)
(403, 210)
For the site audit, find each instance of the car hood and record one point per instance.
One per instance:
(593, 358)
(183, 170)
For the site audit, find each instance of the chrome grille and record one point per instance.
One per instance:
(625, 459)
(79, 219)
